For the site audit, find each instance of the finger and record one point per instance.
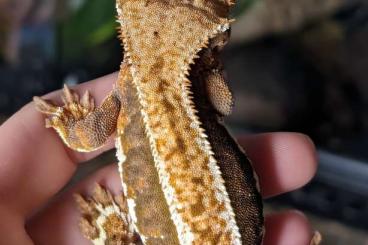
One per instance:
(58, 223)
(287, 228)
(12, 229)
(283, 161)
(34, 162)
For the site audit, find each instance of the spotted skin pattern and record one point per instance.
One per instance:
(139, 176)
(176, 174)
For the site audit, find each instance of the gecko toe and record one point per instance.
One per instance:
(105, 218)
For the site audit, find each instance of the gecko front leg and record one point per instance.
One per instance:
(104, 221)
(81, 126)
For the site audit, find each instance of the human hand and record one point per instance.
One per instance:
(35, 165)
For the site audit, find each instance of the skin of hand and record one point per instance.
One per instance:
(35, 165)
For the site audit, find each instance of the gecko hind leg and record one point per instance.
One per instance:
(105, 219)
(81, 126)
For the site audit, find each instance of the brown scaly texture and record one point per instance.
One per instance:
(79, 128)
(186, 181)
(105, 220)
(139, 176)
(190, 179)
(235, 167)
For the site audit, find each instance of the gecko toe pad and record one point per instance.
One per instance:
(81, 126)
(105, 219)
(73, 110)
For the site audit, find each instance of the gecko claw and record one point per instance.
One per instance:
(64, 119)
(44, 106)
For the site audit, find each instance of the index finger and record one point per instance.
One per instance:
(35, 164)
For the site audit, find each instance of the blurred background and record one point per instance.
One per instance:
(294, 65)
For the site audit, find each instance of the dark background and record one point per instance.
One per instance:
(294, 65)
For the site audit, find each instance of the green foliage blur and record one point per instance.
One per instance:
(89, 33)
(242, 6)
(95, 23)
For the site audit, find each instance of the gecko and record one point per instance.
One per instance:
(185, 180)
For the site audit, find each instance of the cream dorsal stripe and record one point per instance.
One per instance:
(188, 172)
(180, 167)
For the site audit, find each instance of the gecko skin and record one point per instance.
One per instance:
(185, 180)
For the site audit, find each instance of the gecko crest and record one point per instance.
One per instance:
(184, 178)
(201, 212)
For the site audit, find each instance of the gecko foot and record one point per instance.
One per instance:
(81, 126)
(105, 219)
(74, 109)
